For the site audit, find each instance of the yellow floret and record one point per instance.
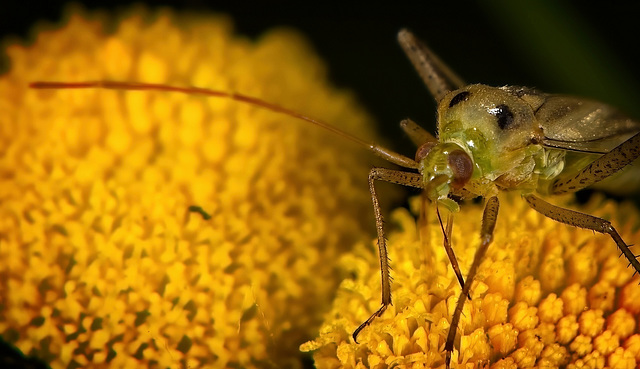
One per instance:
(103, 263)
(521, 314)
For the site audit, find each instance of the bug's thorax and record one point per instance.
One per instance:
(487, 140)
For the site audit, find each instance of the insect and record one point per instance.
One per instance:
(489, 139)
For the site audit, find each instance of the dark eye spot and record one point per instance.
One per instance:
(462, 96)
(504, 115)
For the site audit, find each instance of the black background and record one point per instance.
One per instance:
(478, 39)
(482, 41)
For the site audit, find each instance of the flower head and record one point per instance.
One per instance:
(546, 295)
(103, 263)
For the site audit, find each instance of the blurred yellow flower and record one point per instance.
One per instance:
(547, 295)
(103, 264)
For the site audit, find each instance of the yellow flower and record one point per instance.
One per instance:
(547, 295)
(103, 264)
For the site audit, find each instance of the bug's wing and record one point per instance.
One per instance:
(583, 125)
(588, 129)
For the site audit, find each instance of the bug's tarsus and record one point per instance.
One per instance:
(489, 218)
(367, 322)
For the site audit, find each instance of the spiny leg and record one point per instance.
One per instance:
(582, 220)
(398, 177)
(489, 218)
(601, 168)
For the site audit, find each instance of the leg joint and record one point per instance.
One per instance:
(607, 227)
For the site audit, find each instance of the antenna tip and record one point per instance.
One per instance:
(404, 34)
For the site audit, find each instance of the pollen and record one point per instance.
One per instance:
(153, 229)
(521, 314)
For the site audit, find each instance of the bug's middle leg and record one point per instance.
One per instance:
(398, 177)
(582, 220)
(449, 249)
(489, 218)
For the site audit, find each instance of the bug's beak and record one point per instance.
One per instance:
(435, 185)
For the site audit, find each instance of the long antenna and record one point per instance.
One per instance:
(382, 152)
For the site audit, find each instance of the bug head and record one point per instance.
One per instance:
(445, 167)
(483, 133)
(495, 117)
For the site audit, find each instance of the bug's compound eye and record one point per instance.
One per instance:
(461, 167)
(460, 97)
(503, 115)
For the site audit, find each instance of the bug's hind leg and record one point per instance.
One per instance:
(489, 218)
(582, 220)
(601, 168)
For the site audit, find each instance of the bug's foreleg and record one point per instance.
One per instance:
(601, 168)
(582, 220)
(489, 218)
(398, 177)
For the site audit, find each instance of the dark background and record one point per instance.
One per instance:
(557, 46)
